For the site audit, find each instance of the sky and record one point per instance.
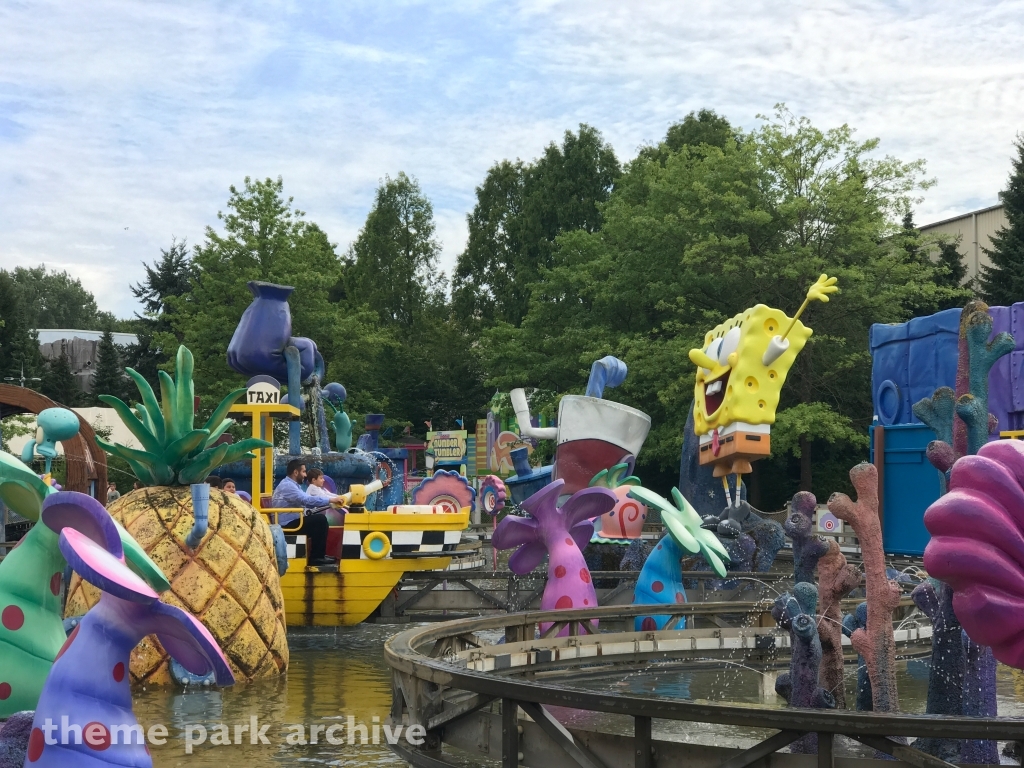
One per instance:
(123, 124)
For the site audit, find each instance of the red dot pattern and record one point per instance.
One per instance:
(5, 691)
(35, 745)
(96, 736)
(563, 602)
(559, 571)
(119, 671)
(13, 618)
(657, 586)
(648, 624)
(680, 597)
(55, 584)
(584, 575)
(569, 541)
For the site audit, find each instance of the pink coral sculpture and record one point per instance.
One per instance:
(875, 643)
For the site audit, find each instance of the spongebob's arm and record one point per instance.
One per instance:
(820, 291)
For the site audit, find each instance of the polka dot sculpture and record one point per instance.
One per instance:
(661, 579)
(31, 625)
(561, 533)
(89, 682)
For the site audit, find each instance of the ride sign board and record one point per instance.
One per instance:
(449, 447)
(263, 390)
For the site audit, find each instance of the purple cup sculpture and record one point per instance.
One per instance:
(560, 533)
(87, 694)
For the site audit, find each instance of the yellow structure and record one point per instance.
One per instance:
(377, 548)
(740, 373)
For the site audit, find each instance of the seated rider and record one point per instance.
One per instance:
(314, 525)
(315, 477)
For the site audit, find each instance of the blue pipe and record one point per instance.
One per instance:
(201, 511)
(609, 371)
(291, 356)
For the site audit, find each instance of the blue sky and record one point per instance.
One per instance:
(123, 124)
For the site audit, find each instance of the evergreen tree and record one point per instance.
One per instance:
(1002, 283)
(19, 343)
(59, 383)
(952, 262)
(109, 378)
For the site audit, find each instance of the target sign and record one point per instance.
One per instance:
(829, 523)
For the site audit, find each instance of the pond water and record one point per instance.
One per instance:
(337, 674)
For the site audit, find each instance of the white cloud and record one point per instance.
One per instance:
(141, 114)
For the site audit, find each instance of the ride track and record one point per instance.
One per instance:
(439, 682)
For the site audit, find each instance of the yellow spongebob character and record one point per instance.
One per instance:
(740, 372)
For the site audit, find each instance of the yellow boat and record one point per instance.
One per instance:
(376, 548)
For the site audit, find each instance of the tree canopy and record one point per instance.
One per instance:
(1002, 283)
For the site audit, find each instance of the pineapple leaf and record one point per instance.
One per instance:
(241, 449)
(167, 398)
(137, 428)
(158, 468)
(220, 414)
(185, 404)
(181, 448)
(149, 398)
(200, 467)
(216, 434)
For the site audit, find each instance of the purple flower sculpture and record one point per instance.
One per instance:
(87, 694)
(977, 546)
(561, 533)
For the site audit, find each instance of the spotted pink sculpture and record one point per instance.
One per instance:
(977, 547)
(561, 533)
(875, 643)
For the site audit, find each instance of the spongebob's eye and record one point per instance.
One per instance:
(728, 346)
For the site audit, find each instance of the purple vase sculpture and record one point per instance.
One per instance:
(263, 344)
(265, 331)
(561, 533)
(87, 696)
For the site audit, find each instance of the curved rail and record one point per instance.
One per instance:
(437, 686)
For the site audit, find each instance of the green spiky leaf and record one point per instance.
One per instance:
(135, 426)
(137, 559)
(152, 407)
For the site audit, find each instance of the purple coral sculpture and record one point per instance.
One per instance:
(561, 533)
(88, 687)
(808, 547)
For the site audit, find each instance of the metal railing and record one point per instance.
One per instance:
(436, 688)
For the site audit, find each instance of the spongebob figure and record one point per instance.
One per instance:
(740, 373)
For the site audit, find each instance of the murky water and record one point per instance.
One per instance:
(337, 674)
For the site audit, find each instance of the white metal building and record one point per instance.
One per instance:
(975, 230)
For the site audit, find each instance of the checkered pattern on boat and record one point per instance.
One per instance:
(401, 541)
(296, 546)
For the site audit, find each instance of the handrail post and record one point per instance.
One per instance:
(643, 756)
(825, 750)
(509, 734)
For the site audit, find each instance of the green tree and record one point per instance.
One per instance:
(109, 377)
(692, 240)
(56, 300)
(264, 238)
(59, 383)
(1002, 283)
(417, 364)
(392, 265)
(953, 264)
(697, 128)
(19, 343)
(520, 211)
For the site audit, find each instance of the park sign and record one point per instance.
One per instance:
(263, 390)
(448, 447)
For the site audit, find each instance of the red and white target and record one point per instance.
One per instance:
(829, 523)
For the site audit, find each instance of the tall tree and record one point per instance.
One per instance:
(521, 209)
(392, 265)
(697, 128)
(56, 300)
(19, 344)
(109, 378)
(1002, 283)
(168, 278)
(59, 383)
(264, 238)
